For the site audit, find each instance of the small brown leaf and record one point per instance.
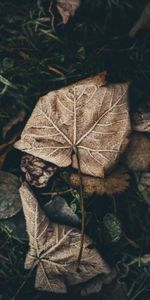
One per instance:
(142, 22)
(67, 9)
(10, 203)
(114, 183)
(137, 156)
(85, 117)
(36, 170)
(54, 249)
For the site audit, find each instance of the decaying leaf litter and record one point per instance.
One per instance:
(85, 125)
(56, 187)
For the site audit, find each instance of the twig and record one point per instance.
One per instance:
(131, 242)
(24, 282)
(2, 257)
(82, 210)
(56, 71)
(58, 193)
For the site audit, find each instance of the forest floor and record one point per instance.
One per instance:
(36, 59)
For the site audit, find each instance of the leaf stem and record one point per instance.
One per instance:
(58, 193)
(82, 210)
(24, 282)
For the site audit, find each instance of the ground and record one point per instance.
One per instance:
(36, 58)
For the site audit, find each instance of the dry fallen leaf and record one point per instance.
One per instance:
(142, 22)
(67, 8)
(37, 171)
(114, 183)
(92, 288)
(10, 203)
(85, 117)
(54, 249)
(137, 156)
(56, 209)
(107, 287)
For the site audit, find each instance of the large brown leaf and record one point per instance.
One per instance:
(86, 116)
(54, 249)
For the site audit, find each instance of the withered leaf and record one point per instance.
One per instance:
(142, 22)
(137, 155)
(86, 116)
(54, 249)
(67, 8)
(114, 183)
(10, 203)
(37, 171)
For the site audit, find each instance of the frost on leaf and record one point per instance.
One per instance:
(54, 249)
(88, 116)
